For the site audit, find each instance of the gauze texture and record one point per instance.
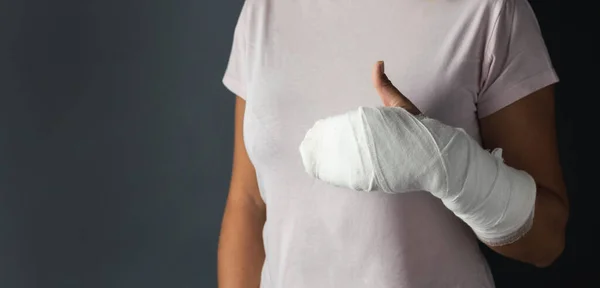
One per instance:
(333, 151)
(388, 149)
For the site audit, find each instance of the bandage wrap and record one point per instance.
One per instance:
(388, 149)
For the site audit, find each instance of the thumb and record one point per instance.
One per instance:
(388, 93)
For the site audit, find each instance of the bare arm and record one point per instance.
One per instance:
(525, 130)
(241, 253)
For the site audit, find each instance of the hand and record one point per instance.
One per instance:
(389, 94)
(377, 148)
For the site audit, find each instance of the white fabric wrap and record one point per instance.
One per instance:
(388, 149)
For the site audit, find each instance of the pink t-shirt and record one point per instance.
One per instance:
(297, 61)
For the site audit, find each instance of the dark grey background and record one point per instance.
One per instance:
(116, 140)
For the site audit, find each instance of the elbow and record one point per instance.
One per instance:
(540, 254)
(552, 248)
(547, 257)
(544, 243)
(553, 244)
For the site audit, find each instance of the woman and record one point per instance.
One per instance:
(481, 66)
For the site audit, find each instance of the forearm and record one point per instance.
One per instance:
(396, 152)
(500, 219)
(241, 253)
(545, 241)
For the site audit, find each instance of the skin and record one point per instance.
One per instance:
(241, 253)
(525, 130)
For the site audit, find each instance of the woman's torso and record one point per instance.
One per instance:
(310, 59)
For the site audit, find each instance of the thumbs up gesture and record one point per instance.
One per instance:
(337, 151)
(389, 94)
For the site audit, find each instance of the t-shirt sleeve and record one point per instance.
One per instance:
(516, 61)
(235, 74)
